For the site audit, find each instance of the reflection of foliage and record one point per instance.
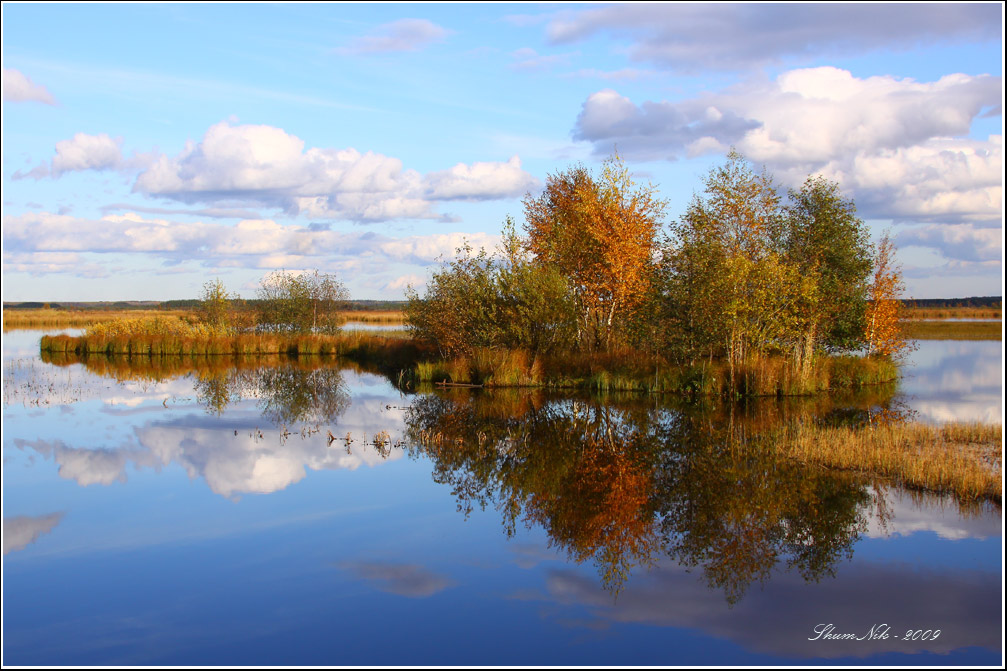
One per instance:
(289, 389)
(616, 482)
(731, 506)
(289, 395)
(216, 390)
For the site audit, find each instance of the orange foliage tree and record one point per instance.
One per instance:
(883, 332)
(600, 233)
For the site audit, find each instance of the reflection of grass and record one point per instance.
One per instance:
(920, 330)
(964, 459)
(631, 371)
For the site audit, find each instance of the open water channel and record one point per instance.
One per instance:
(307, 514)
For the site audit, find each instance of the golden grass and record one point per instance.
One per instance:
(632, 371)
(952, 313)
(937, 330)
(375, 316)
(965, 459)
(42, 318)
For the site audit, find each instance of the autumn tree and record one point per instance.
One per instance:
(882, 330)
(215, 305)
(301, 302)
(729, 287)
(500, 299)
(829, 245)
(600, 233)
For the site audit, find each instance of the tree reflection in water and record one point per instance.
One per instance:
(287, 393)
(306, 389)
(621, 482)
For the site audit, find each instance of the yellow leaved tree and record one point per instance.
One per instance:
(600, 233)
(882, 330)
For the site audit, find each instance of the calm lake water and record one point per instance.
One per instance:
(303, 514)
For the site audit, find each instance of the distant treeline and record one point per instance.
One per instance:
(970, 302)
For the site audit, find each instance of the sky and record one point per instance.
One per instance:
(150, 148)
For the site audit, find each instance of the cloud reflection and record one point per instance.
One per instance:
(781, 618)
(21, 531)
(407, 580)
(912, 512)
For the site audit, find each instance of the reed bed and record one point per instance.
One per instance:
(952, 313)
(965, 459)
(375, 316)
(43, 318)
(921, 330)
(635, 372)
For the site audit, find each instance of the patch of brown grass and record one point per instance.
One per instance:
(965, 459)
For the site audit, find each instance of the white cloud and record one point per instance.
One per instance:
(404, 281)
(46, 263)
(17, 88)
(480, 181)
(962, 242)
(45, 242)
(87, 152)
(897, 144)
(694, 37)
(266, 166)
(398, 36)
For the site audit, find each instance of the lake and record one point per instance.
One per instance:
(303, 513)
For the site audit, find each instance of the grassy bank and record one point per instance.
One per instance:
(632, 371)
(42, 318)
(32, 318)
(910, 312)
(411, 364)
(946, 330)
(196, 344)
(962, 459)
(376, 316)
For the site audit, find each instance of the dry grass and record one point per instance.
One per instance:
(963, 459)
(42, 318)
(952, 313)
(919, 330)
(375, 316)
(632, 371)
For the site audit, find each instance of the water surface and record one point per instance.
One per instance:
(302, 513)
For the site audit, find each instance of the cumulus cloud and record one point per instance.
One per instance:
(898, 144)
(963, 242)
(18, 88)
(87, 152)
(60, 239)
(45, 263)
(480, 181)
(404, 281)
(691, 37)
(265, 166)
(398, 36)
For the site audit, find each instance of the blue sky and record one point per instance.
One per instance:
(149, 148)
